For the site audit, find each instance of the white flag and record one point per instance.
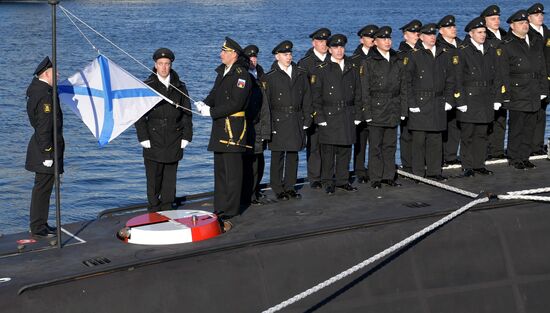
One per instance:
(107, 98)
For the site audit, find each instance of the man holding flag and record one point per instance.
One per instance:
(164, 132)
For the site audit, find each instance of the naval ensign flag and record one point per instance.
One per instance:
(107, 98)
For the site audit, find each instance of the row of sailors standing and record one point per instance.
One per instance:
(442, 91)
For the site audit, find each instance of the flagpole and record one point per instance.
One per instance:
(54, 3)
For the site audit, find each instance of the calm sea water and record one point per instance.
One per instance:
(96, 178)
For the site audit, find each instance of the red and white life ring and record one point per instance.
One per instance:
(171, 227)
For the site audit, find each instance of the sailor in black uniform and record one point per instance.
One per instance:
(314, 57)
(258, 131)
(40, 151)
(430, 86)
(497, 128)
(336, 91)
(287, 93)
(411, 34)
(226, 104)
(525, 83)
(539, 30)
(384, 97)
(448, 40)
(164, 132)
(479, 87)
(364, 51)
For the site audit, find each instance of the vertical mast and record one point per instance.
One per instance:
(53, 4)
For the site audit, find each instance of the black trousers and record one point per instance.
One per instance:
(521, 129)
(538, 138)
(284, 170)
(360, 149)
(253, 172)
(451, 137)
(405, 146)
(497, 129)
(473, 150)
(161, 185)
(40, 201)
(228, 181)
(426, 148)
(313, 154)
(382, 146)
(336, 161)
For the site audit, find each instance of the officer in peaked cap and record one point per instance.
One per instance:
(427, 116)
(411, 31)
(226, 104)
(476, 80)
(448, 40)
(287, 93)
(383, 89)
(527, 82)
(258, 131)
(538, 30)
(314, 57)
(164, 132)
(497, 128)
(364, 50)
(411, 34)
(40, 150)
(338, 108)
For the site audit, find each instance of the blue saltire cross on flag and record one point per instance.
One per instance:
(107, 98)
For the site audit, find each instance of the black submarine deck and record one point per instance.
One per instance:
(493, 258)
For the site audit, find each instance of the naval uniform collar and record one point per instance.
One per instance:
(287, 70)
(385, 55)
(164, 81)
(254, 72)
(432, 50)
(321, 57)
(476, 45)
(496, 33)
(365, 50)
(40, 79)
(227, 69)
(526, 38)
(340, 63)
(538, 29)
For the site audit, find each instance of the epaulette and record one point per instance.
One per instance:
(301, 69)
(148, 80)
(507, 40)
(355, 56)
(270, 72)
(304, 58)
(322, 65)
(415, 50)
(463, 46)
(238, 70)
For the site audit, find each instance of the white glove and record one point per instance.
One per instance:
(414, 110)
(542, 97)
(462, 108)
(48, 163)
(369, 120)
(357, 122)
(184, 143)
(448, 107)
(146, 144)
(199, 105)
(322, 124)
(205, 111)
(403, 118)
(305, 127)
(497, 106)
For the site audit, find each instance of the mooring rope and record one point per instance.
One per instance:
(405, 242)
(69, 14)
(438, 184)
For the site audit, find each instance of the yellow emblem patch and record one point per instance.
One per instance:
(405, 60)
(457, 94)
(47, 108)
(455, 59)
(503, 89)
(313, 79)
(361, 72)
(548, 42)
(499, 52)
